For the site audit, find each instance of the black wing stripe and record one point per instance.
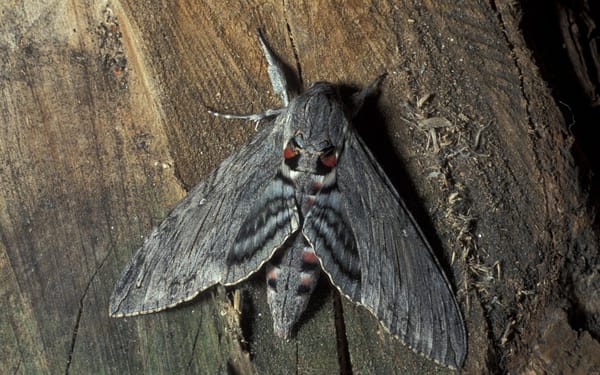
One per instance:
(327, 228)
(268, 216)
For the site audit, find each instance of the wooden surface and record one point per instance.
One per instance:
(104, 127)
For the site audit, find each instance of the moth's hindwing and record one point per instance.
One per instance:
(399, 279)
(192, 248)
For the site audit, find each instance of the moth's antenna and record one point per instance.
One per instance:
(282, 79)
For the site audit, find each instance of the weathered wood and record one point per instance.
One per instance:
(104, 127)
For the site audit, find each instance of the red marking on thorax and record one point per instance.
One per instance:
(329, 160)
(289, 153)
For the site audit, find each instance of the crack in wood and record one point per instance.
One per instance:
(190, 362)
(341, 338)
(80, 312)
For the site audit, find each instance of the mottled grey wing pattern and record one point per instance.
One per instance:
(400, 280)
(198, 244)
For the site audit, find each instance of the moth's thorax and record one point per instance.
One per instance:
(310, 163)
(317, 115)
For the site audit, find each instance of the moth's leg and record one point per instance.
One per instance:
(282, 81)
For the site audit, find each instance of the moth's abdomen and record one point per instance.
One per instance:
(292, 276)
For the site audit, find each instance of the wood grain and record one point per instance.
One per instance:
(104, 127)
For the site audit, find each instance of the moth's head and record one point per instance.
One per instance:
(315, 125)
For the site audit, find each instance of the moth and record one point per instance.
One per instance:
(304, 198)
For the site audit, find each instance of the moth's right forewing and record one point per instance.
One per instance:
(401, 281)
(187, 252)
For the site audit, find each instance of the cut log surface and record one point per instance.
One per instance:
(104, 128)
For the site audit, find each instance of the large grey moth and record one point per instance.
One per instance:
(305, 196)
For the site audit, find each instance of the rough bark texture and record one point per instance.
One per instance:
(104, 127)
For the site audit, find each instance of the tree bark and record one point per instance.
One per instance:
(104, 128)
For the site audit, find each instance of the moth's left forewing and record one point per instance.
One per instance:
(191, 249)
(400, 280)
